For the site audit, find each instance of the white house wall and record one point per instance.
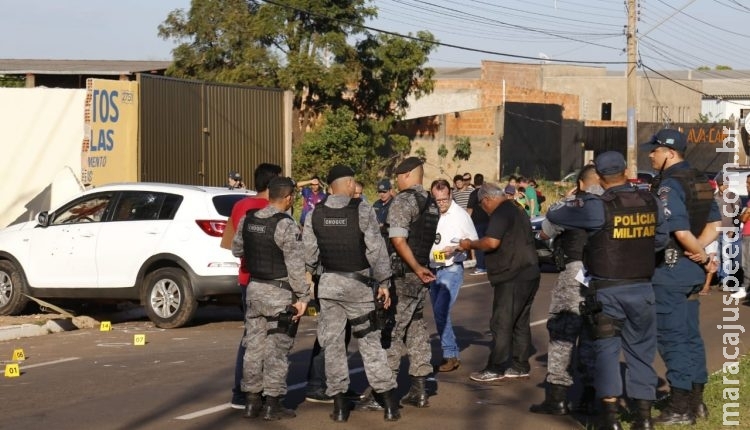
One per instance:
(42, 130)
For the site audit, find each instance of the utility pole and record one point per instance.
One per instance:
(632, 99)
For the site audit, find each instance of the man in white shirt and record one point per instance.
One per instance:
(454, 224)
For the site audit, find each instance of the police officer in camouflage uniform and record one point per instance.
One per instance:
(342, 235)
(276, 297)
(565, 323)
(412, 221)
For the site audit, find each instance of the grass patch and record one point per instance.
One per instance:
(713, 397)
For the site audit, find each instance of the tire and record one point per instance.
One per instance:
(169, 298)
(12, 289)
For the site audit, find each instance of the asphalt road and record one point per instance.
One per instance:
(181, 379)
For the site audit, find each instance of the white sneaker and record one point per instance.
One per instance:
(741, 294)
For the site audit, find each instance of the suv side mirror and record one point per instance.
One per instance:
(43, 218)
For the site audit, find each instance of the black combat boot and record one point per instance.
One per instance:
(253, 405)
(608, 419)
(273, 410)
(677, 411)
(697, 407)
(417, 395)
(642, 415)
(340, 412)
(390, 405)
(555, 401)
(369, 402)
(587, 402)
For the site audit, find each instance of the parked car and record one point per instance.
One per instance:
(149, 242)
(544, 248)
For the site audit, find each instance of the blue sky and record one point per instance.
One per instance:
(675, 34)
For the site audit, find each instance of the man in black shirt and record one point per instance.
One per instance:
(513, 272)
(480, 219)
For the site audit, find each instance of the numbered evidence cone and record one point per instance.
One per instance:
(18, 355)
(139, 339)
(12, 370)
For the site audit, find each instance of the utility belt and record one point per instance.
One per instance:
(371, 282)
(284, 285)
(600, 284)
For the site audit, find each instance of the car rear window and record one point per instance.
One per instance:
(225, 203)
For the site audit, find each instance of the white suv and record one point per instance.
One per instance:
(155, 243)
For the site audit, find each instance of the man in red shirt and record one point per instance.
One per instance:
(262, 175)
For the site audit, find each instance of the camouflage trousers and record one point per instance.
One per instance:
(265, 365)
(331, 334)
(566, 331)
(409, 335)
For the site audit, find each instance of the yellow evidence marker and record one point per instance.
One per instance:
(139, 339)
(18, 355)
(105, 326)
(12, 370)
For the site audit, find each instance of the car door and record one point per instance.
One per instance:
(63, 252)
(139, 220)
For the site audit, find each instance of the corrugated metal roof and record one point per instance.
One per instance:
(79, 67)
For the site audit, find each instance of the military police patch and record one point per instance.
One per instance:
(256, 228)
(335, 222)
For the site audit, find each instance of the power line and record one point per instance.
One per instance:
(447, 45)
(691, 88)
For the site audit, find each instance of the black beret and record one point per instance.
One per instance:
(339, 171)
(281, 182)
(408, 165)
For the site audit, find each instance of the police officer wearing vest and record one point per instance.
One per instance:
(626, 225)
(693, 217)
(276, 298)
(343, 236)
(412, 221)
(565, 324)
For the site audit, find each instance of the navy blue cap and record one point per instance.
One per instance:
(235, 175)
(610, 163)
(384, 185)
(668, 138)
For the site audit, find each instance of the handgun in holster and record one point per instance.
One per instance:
(379, 316)
(286, 322)
(600, 326)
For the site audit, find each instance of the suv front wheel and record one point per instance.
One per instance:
(169, 300)
(12, 289)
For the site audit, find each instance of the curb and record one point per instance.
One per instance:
(29, 330)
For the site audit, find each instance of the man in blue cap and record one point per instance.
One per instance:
(626, 226)
(693, 218)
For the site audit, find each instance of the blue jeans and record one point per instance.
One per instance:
(443, 294)
(633, 307)
(241, 350)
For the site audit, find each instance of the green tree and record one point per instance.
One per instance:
(321, 52)
(12, 81)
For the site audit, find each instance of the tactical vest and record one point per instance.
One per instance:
(422, 230)
(263, 258)
(624, 248)
(572, 242)
(340, 240)
(698, 197)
